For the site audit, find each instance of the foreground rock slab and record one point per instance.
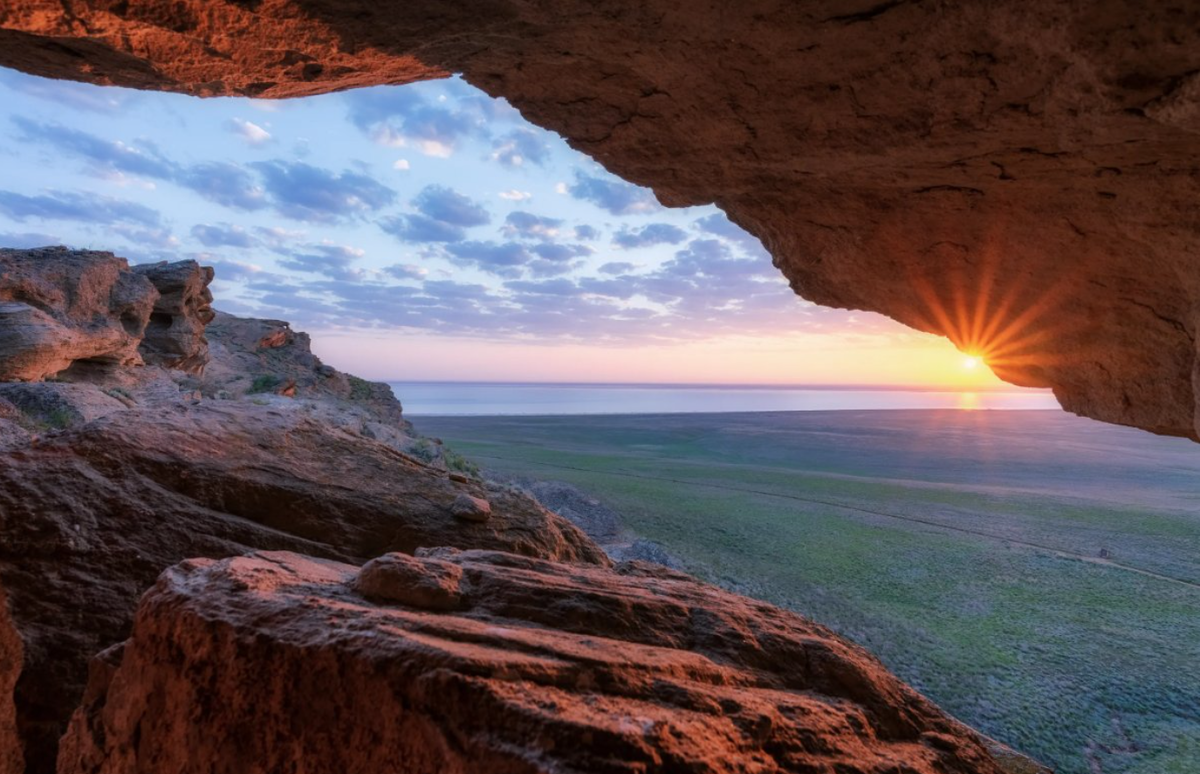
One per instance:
(91, 516)
(482, 661)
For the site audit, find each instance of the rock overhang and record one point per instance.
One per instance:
(1017, 177)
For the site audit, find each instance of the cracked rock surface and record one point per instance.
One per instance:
(503, 663)
(1020, 177)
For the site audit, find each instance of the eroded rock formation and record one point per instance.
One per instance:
(481, 661)
(1017, 176)
(174, 336)
(59, 306)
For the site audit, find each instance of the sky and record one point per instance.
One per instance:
(428, 232)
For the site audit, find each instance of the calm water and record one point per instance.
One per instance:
(496, 399)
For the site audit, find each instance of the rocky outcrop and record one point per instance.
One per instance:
(60, 306)
(481, 661)
(89, 517)
(64, 309)
(1016, 176)
(255, 355)
(174, 337)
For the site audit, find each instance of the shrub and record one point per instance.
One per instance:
(264, 383)
(360, 389)
(459, 463)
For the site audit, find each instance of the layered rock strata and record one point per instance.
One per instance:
(480, 661)
(1019, 177)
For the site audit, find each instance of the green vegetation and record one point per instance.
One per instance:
(459, 463)
(264, 383)
(966, 550)
(424, 449)
(360, 389)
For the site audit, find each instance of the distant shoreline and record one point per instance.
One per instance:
(1003, 389)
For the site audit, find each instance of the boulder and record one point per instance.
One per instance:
(91, 515)
(174, 337)
(500, 663)
(60, 306)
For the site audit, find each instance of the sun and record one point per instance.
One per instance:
(971, 362)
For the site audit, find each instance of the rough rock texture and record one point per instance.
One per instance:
(59, 306)
(488, 662)
(244, 349)
(89, 517)
(174, 337)
(1018, 176)
(11, 761)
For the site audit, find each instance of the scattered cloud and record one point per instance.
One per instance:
(68, 205)
(223, 235)
(513, 195)
(520, 147)
(249, 131)
(646, 236)
(303, 192)
(105, 155)
(333, 261)
(614, 195)
(401, 165)
(526, 225)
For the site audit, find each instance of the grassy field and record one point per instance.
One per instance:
(1036, 574)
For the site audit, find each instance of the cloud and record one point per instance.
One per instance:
(449, 206)
(617, 267)
(526, 225)
(27, 239)
(719, 225)
(108, 156)
(401, 165)
(613, 195)
(443, 215)
(513, 195)
(223, 235)
(521, 146)
(559, 253)
(77, 96)
(586, 233)
(409, 117)
(303, 192)
(226, 184)
(407, 271)
(418, 228)
(505, 259)
(249, 131)
(652, 234)
(333, 261)
(67, 205)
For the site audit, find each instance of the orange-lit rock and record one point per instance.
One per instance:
(89, 517)
(275, 662)
(1018, 176)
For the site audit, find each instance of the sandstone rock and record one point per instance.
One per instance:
(272, 661)
(60, 306)
(56, 406)
(428, 584)
(471, 508)
(174, 337)
(1016, 176)
(243, 348)
(90, 516)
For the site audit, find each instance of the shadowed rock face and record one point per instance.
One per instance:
(88, 518)
(174, 337)
(1017, 176)
(480, 661)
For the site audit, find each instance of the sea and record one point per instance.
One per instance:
(533, 399)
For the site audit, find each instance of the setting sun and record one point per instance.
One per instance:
(970, 362)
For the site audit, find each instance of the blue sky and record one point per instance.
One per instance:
(426, 232)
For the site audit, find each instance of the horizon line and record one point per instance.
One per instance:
(728, 385)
